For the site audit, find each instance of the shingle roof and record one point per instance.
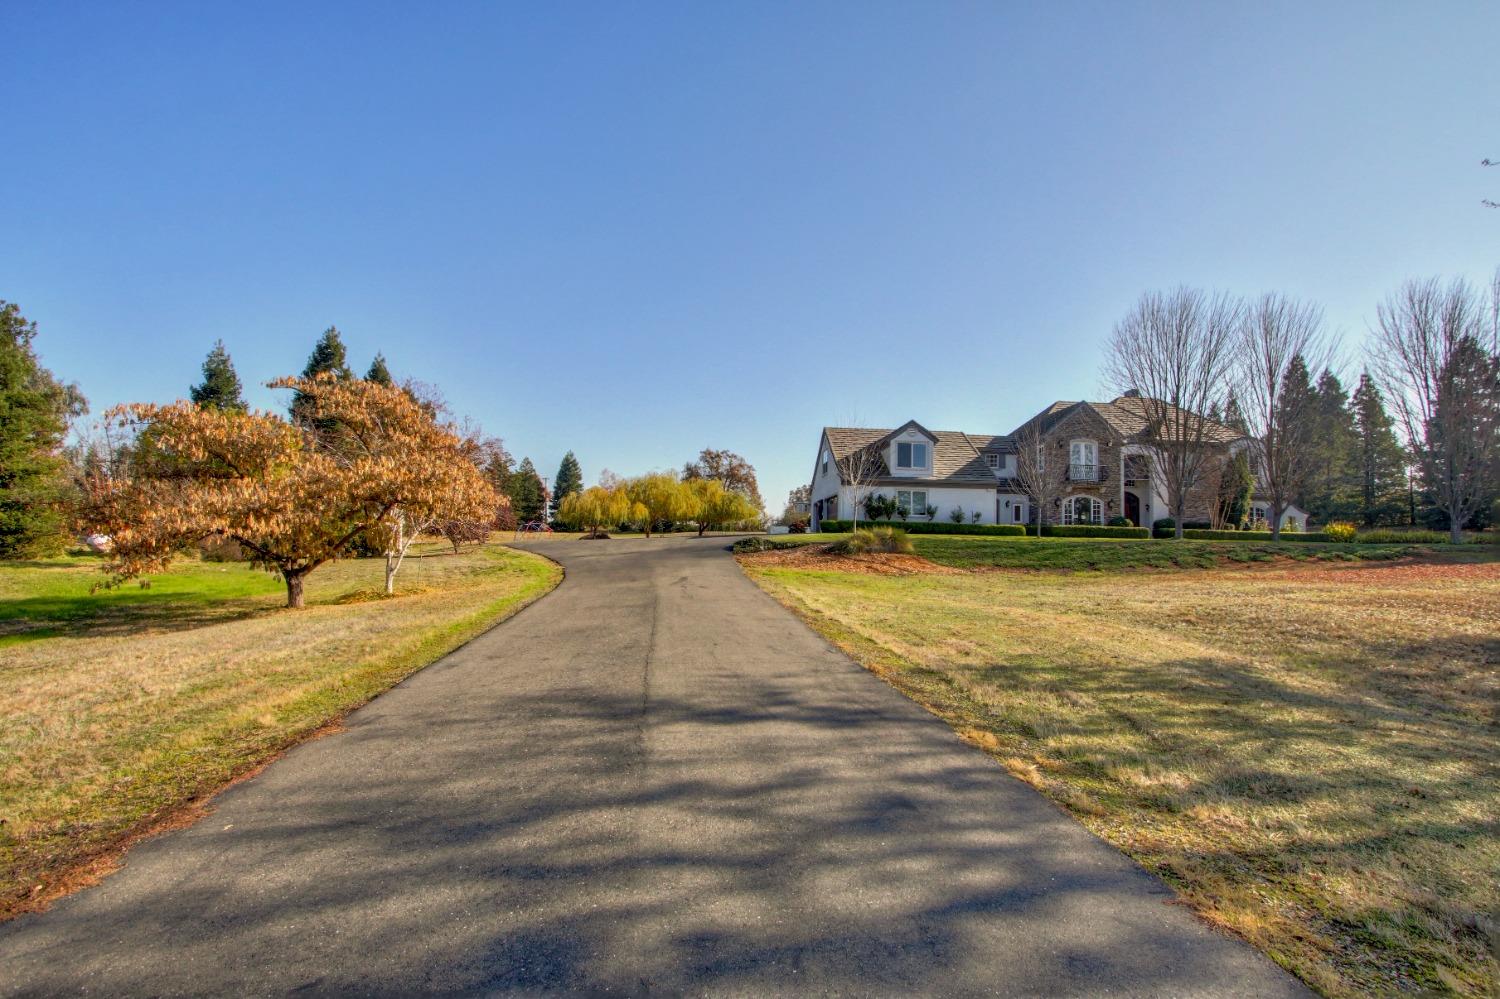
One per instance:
(993, 442)
(1128, 416)
(954, 456)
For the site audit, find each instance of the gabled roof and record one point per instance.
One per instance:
(954, 456)
(908, 425)
(1130, 418)
(993, 442)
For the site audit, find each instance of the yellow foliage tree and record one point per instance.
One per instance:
(595, 508)
(293, 496)
(716, 508)
(660, 497)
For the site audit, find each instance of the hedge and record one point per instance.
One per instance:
(1093, 531)
(1196, 534)
(927, 527)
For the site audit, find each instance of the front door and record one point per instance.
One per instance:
(1133, 508)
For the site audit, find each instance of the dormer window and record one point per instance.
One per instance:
(911, 455)
(992, 459)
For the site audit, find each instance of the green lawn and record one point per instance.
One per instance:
(124, 706)
(1306, 750)
(43, 599)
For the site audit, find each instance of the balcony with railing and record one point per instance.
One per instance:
(1080, 471)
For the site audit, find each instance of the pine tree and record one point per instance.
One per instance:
(1236, 487)
(1332, 488)
(379, 373)
(1381, 461)
(528, 498)
(1234, 416)
(35, 409)
(1296, 413)
(220, 388)
(569, 479)
(328, 357)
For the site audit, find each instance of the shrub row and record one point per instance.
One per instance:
(928, 527)
(1392, 537)
(1195, 534)
(1093, 531)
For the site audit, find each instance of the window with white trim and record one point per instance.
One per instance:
(910, 454)
(825, 461)
(1082, 510)
(992, 459)
(912, 501)
(1083, 461)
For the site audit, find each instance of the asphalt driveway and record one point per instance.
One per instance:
(653, 780)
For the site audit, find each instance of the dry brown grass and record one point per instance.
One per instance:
(1310, 753)
(123, 708)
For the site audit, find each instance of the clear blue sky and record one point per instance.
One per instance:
(636, 230)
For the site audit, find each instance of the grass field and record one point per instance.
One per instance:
(1308, 751)
(972, 551)
(123, 706)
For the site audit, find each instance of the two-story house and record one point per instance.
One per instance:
(1099, 457)
(921, 469)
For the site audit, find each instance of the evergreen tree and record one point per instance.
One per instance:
(328, 357)
(528, 497)
(569, 479)
(1332, 488)
(379, 373)
(1296, 412)
(1234, 416)
(220, 388)
(1381, 461)
(1236, 486)
(35, 409)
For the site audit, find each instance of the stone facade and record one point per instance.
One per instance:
(1085, 424)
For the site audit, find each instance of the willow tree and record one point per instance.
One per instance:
(717, 507)
(292, 496)
(662, 499)
(595, 508)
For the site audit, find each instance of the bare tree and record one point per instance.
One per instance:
(1280, 341)
(1042, 480)
(860, 469)
(1176, 349)
(1437, 356)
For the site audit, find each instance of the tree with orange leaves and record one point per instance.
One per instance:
(367, 460)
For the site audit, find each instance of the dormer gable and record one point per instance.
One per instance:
(910, 450)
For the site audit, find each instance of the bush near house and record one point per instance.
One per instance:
(1402, 536)
(923, 527)
(1195, 534)
(1093, 531)
(875, 539)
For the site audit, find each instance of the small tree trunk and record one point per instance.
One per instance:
(1181, 511)
(294, 580)
(390, 575)
(1455, 528)
(1275, 524)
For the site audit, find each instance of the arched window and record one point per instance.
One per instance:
(1082, 510)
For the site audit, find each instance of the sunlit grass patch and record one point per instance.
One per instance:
(1308, 751)
(123, 705)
